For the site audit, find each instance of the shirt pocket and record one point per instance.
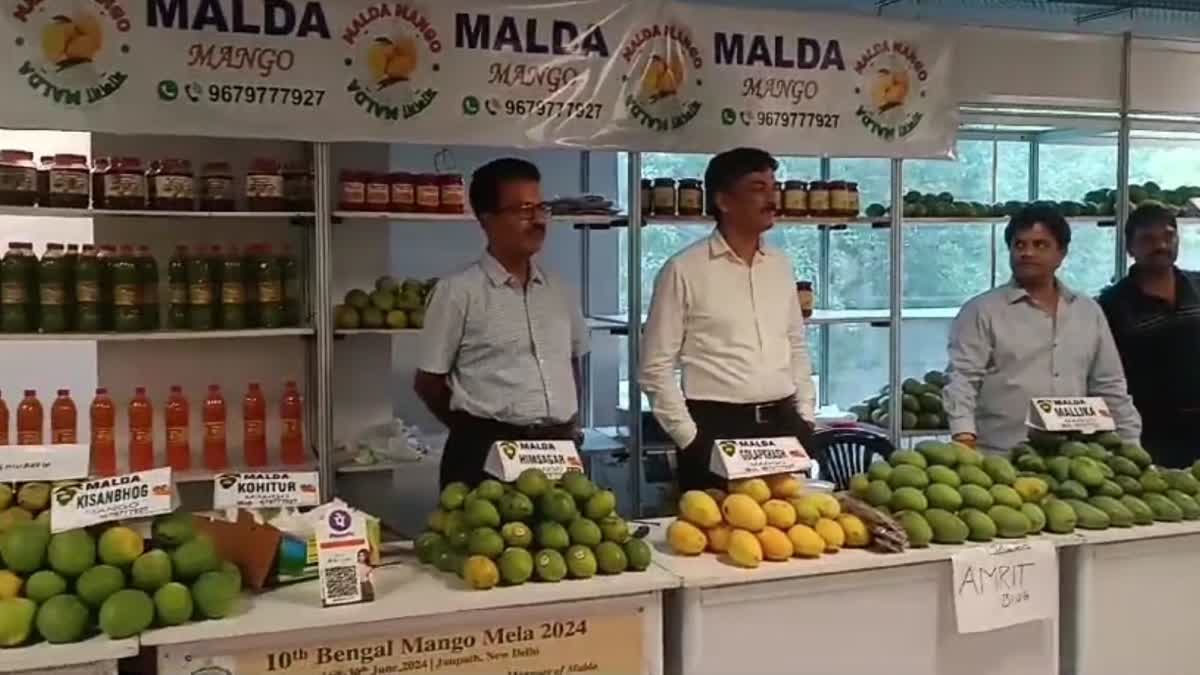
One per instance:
(719, 308)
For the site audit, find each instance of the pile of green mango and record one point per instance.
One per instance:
(948, 493)
(1107, 482)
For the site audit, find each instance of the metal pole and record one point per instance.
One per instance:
(634, 302)
(824, 289)
(1035, 146)
(322, 314)
(585, 276)
(896, 263)
(1123, 141)
(995, 198)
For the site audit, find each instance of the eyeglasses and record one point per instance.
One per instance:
(528, 211)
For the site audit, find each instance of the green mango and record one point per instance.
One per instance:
(1059, 467)
(907, 475)
(1060, 517)
(974, 475)
(1142, 514)
(879, 470)
(967, 456)
(947, 527)
(1097, 452)
(1131, 486)
(1109, 440)
(1164, 509)
(1183, 481)
(976, 497)
(1110, 488)
(943, 497)
(908, 499)
(1010, 522)
(1087, 472)
(912, 457)
(1186, 504)
(979, 526)
(1030, 462)
(1073, 449)
(1005, 495)
(916, 527)
(1020, 450)
(1050, 481)
(1135, 453)
(944, 475)
(1046, 441)
(1118, 514)
(1123, 466)
(1071, 489)
(1000, 469)
(939, 454)
(1089, 517)
(1036, 516)
(1153, 481)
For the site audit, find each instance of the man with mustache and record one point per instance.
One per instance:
(1154, 314)
(1032, 337)
(499, 353)
(725, 311)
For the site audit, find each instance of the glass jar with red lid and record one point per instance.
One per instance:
(171, 184)
(264, 186)
(99, 168)
(429, 193)
(404, 192)
(298, 181)
(451, 193)
(18, 178)
(379, 192)
(125, 184)
(217, 190)
(353, 190)
(68, 182)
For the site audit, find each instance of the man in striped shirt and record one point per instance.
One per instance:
(499, 353)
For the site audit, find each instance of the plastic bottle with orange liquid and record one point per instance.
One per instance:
(64, 420)
(179, 451)
(216, 454)
(141, 431)
(4, 439)
(254, 426)
(30, 420)
(104, 445)
(291, 423)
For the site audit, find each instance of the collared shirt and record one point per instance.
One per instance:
(1004, 351)
(1160, 348)
(507, 349)
(735, 330)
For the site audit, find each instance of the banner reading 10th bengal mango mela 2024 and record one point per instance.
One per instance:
(601, 74)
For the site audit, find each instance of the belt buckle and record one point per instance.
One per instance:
(760, 414)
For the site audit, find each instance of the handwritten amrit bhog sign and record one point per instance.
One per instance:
(1004, 584)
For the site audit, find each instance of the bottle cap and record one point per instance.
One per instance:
(176, 389)
(139, 391)
(101, 391)
(30, 392)
(64, 392)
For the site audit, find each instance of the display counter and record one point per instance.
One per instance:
(1129, 600)
(850, 612)
(97, 656)
(427, 621)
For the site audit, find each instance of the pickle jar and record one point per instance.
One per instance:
(217, 192)
(353, 190)
(818, 198)
(839, 199)
(403, 192)
(125, 184)
(264, 186)
(795, 199)
(691, 197)
(853, 201)
(18, 178)
(378, 192)
(451, 193)
(804, 293)
(298, 182)
(664, 197)
(171, 184)
(67, 182)
(429, 193)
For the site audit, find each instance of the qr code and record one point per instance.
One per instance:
(341, 584)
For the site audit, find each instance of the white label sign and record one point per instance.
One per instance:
(266, 490)
(43, 462)
(1087, 414)
(132, 495)
(1004, 584)
(508, 459)
(344, 558)
(746, 457)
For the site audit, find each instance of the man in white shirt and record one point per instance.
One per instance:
(725, 310)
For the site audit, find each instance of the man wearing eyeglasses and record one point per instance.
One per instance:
(499, 353)
(1154, 314)
(725, 311)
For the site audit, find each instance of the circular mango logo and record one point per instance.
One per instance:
(891, 88)
(394, 64)
(75, 49)
(664, 73)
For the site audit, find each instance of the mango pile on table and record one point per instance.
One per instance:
(921, 403)
(761, 519)
(65, 587)
(530, 529)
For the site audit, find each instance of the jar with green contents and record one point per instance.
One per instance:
(147, 268)
(233, 291)
(200, 290)
(127, 292)
(88, 315)
(290, 272)
(177, 289)
(14, 314)
(270, 288)
(52, 290)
